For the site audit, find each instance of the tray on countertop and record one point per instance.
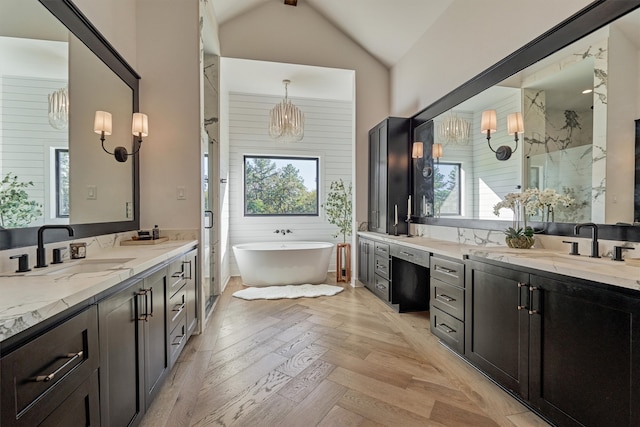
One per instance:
(143, 242)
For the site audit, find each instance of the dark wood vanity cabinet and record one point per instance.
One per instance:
(389, 174)
(52, 379)
(182, 308)
(133, 349)
(446, 314)
(568, 347)
(366, 260)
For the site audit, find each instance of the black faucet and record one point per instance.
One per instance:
(41, 255)
(594, 237)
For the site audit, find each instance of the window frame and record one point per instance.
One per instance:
(57, 152)
(459, 184)
(279, 157)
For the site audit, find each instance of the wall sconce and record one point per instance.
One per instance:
(102, 125)
(436, 151)
(489, 123)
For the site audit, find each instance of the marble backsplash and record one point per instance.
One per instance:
(95, 244)
(487, 238)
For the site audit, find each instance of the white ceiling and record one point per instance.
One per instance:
(386, 29)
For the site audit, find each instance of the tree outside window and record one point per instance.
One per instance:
(446, 189)
(62, 182)
(280, 186)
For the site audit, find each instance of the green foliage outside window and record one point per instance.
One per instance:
(16, 210)
(443, 187)
(273, 190)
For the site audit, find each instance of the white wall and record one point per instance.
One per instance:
(299, 35)
(328, 136)
(469, 37)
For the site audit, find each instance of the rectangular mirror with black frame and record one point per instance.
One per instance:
(57, 71)
(576, 93)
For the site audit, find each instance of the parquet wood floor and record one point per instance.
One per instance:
(345, 360)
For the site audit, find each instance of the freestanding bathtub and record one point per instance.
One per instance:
(283, 263)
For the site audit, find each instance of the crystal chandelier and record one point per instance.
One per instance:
(286, 121)
(59, 108)
(454, 130)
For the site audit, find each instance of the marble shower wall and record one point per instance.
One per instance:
(567, 147)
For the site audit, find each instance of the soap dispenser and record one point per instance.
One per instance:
(155, 232)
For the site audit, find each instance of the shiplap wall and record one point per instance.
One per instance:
(492, 179)
(27, 136)
(328, 136)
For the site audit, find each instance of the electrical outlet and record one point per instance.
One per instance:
(92, 192)
(181, 193)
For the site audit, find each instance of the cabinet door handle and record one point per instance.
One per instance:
(445, 270)
(151, 297)
(447, 298)
(406, 253)
(190, 271)
(532, 311)
(143, 293)
(520, 305)
(446, 328)
(71, 356)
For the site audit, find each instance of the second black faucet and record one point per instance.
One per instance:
(41, 255)
(594, 237)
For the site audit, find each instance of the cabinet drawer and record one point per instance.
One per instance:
(415, 256)
(39, 376)
(449, 329)
(381, 287)
(448, 271)
(177, 339)
(447, 298)
(382, 267)
(177, 307)
(381, 249)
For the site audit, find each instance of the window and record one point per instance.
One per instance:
(280, 186)
(62, 182)
(446, 189)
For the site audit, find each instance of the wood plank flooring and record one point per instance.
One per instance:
(345, 360)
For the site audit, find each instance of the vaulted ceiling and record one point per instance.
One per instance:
(387, 29)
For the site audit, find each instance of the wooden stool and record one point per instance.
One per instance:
(343, 252)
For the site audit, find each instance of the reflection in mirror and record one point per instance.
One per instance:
(578, 106)
(50, 86)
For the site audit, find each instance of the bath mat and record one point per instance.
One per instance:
(288, 291)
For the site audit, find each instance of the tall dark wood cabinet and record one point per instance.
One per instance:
(566, 346)
(133, 350)
(389, 155)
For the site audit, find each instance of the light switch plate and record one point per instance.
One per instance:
(92, 192)
(181, 193)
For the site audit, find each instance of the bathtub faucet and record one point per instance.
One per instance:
(283, 231)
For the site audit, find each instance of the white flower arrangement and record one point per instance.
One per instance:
(532, 200)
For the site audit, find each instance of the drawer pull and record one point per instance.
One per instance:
(181, 337)
(178, 307)
(190, 270)
(71, 356)
(406, 253)
(178, 275)
(446, 328)
(445, 270)
(447, 298)
(380, 287)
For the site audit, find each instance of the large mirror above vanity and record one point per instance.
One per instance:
(578, 93)
(56, 71)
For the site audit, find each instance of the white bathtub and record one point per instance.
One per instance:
(283, 263)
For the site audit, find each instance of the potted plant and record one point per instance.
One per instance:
(16, 210)
(339, 210)
(517, 236)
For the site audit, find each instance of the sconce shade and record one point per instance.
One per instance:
(418, 150)
(489, 122)
(102, 123)
(140, 125)
(436, 150)
(515, 123)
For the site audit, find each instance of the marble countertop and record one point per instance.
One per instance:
(30, 298)
(602, 270)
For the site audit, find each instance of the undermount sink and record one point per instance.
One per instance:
(83, 266)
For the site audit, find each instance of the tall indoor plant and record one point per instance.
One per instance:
(339, 209)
